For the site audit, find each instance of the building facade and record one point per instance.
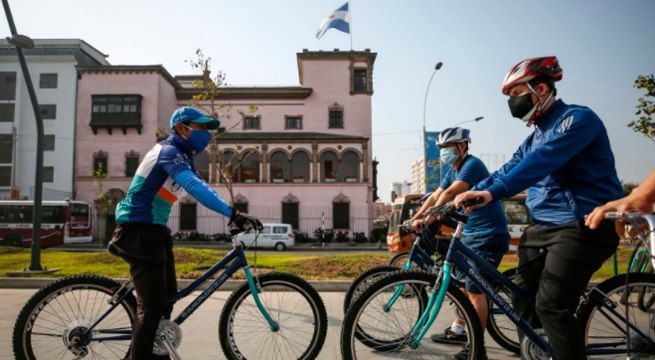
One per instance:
(119, 110)
(52, 65)
(303, 157)
(418, 176)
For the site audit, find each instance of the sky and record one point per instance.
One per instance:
(602, 46)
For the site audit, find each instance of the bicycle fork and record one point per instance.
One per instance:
(255, 290)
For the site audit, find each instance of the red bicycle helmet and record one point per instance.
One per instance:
(529, 69)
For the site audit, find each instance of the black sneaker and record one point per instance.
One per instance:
(464, 354)
(450, 337)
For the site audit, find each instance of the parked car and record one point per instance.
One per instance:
(277, 236)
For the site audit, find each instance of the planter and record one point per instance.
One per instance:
(298, 180)
(351, 180)
(250, 181)
(330, 180)
(278, 181)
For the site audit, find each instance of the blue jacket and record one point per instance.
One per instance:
(165, 170)
(566, 164)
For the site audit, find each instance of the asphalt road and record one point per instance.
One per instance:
(200, 340)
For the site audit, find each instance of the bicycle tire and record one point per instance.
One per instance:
(349, 327)
(272, 280)
(29, 314)
(614, 285)
(399, 260)
(363, 281)
(505, 337)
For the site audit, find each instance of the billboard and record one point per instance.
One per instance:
(433, 168)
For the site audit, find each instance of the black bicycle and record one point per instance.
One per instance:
(272, 316)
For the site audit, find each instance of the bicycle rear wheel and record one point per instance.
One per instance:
(500, 327)
(363, 281)
(53, 323)
(602, 328)
(292, 303)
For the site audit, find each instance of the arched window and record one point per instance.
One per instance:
(330, 171)
(300, 167)
(280, 167)
(228, 165)
(201, 162)
(249, 169)
(350, 165)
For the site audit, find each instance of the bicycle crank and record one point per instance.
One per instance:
(530, 350)
(168, 338)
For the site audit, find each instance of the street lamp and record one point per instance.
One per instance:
(425, 102)
(468, 121)
(20, 42)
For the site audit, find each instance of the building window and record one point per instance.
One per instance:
(241, 206)
(48, 112)
(350, 166)
(249, 169)
(7, 85)
(7, 112)
(5, 175)
(335, 120)
(360, 80)
(100, 165)
(341, 215)
(290, 214)
(330, 171)
(131, 163)
(48, 174)
(49, 142)
(280, 167)
(293, 122)
(48, 81)
(300, 167)
(188, 216)
(201, 163)
(116, 111)
(6, 148)
(251, 123)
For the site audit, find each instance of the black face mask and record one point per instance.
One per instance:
(520, 106)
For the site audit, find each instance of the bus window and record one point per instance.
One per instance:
(516, 211)
(18, 214)
(79, 214)
(52, 214)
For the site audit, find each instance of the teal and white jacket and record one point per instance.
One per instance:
(164, 173)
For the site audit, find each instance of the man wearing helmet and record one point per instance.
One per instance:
(485, 232)
(141, 236)
(567, 167)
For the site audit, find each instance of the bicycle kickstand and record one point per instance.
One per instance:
(170, 348)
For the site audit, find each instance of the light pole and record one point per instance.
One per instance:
(20, 42)
(468, 121)
(425, 102)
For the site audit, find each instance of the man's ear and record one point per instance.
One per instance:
(543, 90)
(181, 130)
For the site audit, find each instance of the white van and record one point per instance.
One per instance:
(277, 236)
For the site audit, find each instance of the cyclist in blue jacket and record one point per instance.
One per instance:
(567, 167)
(142, 237)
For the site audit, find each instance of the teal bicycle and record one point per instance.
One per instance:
(272, 316)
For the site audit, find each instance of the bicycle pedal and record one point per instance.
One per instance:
(170, 348)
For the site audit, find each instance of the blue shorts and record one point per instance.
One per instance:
(493, 258)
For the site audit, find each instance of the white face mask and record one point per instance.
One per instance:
(447, 155)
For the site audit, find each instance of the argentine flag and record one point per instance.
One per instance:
(339, 19)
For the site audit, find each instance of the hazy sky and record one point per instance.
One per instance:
(602, 46)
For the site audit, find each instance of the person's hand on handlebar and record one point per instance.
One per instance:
(628, 203)
(472, 194)
(241, 222)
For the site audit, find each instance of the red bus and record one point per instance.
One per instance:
(62, 222)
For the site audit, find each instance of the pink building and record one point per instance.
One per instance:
(304, 157)
(119, 109)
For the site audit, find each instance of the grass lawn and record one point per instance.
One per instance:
(191, 262)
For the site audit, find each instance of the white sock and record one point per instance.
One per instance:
(457, 328)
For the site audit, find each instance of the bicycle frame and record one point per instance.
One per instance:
(462, 257)
(236, 259)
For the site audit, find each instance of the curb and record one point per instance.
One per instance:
(229, 285)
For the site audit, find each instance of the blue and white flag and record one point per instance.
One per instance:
(339, 19)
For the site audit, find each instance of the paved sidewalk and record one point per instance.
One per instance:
(200, 340)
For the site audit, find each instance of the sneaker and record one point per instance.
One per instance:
(450, 337)
(464, 354)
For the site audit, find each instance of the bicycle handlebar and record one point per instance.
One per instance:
(636, 219)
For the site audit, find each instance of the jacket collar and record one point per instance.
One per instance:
(181, 143)
(548, 118)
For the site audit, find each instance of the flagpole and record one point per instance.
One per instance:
(350, 10)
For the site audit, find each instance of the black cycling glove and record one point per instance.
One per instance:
(240, 222)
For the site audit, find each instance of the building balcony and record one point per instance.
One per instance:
(110, 121)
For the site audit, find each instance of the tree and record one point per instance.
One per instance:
(209, 90)
(645, 107)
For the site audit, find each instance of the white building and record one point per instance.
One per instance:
(52, 64)
(418, 176)
(401, 188)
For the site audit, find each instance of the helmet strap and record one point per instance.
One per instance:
(530, 117)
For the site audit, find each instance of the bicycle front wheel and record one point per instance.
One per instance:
(54, 322)
(604, 330)
(363, 281)
(389, 329)
(292, 303)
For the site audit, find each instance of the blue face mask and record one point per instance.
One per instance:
(447, 155)
(198, 139)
